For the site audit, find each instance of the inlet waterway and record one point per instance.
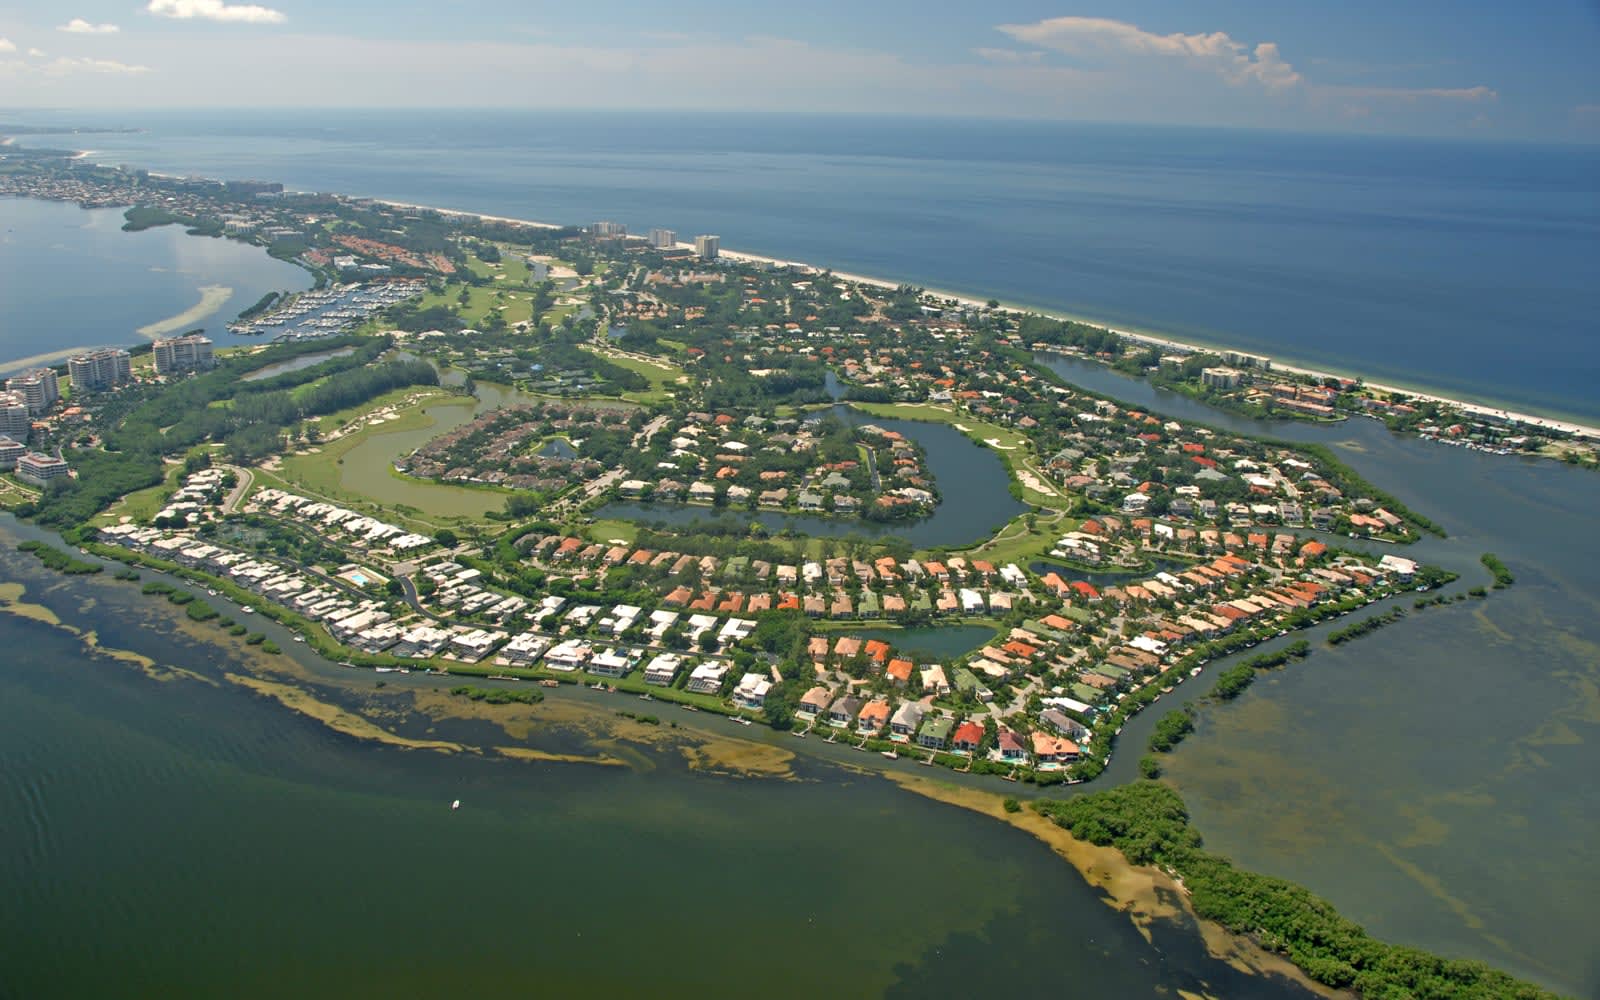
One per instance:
(1431, 779)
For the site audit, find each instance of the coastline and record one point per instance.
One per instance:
(1161, 341)
(1467, 406)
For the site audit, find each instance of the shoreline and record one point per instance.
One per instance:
(1542, 421)
(1148, 338)
(1194, 347)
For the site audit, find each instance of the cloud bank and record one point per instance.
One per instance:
(78, 26)
(215, 10)
(1217, 52)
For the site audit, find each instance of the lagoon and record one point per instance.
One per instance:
(977, 502)
(74, 280)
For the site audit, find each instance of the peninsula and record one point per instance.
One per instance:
(566, 455)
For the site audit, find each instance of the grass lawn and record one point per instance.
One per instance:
(663, 377)
(1017, 543)
(515, 303)
(434, 396)
(14, 493)
(606, 530)
(418, 504)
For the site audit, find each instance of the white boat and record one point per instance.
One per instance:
(246, 609)
(890, 754)
(456, 804)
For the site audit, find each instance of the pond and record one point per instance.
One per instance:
(944, 642)
(295, 364)
(558, 448)
(973, 485)
(1108, 577)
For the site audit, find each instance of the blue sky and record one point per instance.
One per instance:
(1423, 67)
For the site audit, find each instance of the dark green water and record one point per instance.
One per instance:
(946, 642)
(180, 839)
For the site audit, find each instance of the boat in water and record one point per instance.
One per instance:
(455, 805)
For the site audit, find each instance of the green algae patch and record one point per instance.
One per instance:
(336, 718)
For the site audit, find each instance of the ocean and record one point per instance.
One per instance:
(1461, 267)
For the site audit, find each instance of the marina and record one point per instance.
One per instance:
(325, 312)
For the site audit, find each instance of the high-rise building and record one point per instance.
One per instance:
(39, 388)
(99, 371)
(708, 247)
(182, 354)
(10, 451)
(15, 423)
(608, 230)
(663, 239)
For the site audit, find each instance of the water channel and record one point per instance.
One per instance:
(1431, 780)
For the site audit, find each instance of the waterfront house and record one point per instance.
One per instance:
(706, 678)
(967, 737)
(1011, 748)
(874, 716)
(752, 691)
(814, 702)
(906, 719)
(662, 669)
(935, 733)
(1055, 750)
(843, 710)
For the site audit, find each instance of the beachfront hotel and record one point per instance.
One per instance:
(182, 354)
(708, 247)
(38, 388)
(100, 371)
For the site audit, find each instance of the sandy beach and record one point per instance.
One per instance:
(1154, 340)
(1475, 409)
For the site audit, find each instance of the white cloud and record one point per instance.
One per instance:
(63, 65)
(37, 53)
(7, 45)
(1214, 51)
(216, 10)
(78, 26)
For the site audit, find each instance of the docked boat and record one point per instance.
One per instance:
(890, 754)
